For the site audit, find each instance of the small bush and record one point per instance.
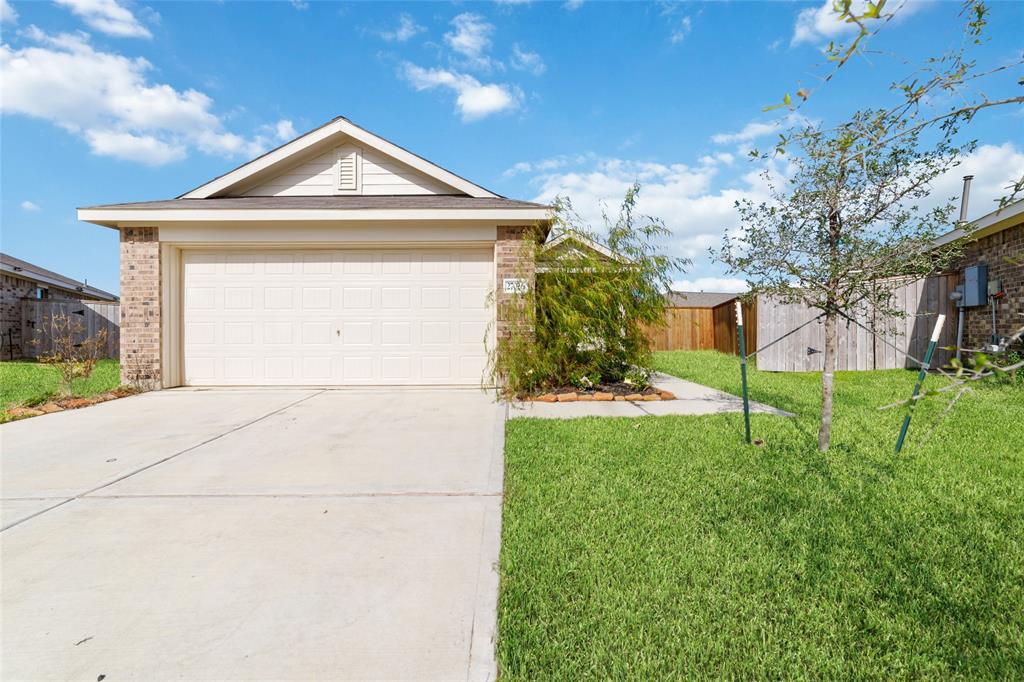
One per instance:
(71, 350)
(586, 319)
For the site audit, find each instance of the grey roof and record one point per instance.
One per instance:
(697, 299)
(25, 270)
(353, 202)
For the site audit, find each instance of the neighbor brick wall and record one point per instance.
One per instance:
(13, 290)
(514, 257)
(994, 250)
(140, 306)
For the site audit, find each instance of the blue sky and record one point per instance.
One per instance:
(109, 101)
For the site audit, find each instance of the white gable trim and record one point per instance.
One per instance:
(586, 243)
(335, 127)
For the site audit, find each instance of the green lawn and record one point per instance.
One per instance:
(660, 548)
(28, 382)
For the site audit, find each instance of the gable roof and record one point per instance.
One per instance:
(323, 135)
(569, 240)
(22, 269)
(697, 299)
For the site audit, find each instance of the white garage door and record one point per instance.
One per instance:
(332, 317)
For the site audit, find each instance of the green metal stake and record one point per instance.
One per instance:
(743, 369)
(920, 381)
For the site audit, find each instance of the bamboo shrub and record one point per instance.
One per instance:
(586, 318)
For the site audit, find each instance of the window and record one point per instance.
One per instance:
(42, 292)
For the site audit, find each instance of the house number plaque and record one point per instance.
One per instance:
(514, 285)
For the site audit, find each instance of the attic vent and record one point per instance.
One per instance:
(348, 170)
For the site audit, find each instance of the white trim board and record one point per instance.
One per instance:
(115, 217)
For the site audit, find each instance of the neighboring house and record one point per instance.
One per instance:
(704, 320)
(338, 258)
(997, 242)
(573, 244)
(22, 281)
(697, 299)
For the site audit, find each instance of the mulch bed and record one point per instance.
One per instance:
(602, 393)
(72, 403)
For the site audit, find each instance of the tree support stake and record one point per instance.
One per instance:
(920, 381)
(743, 370)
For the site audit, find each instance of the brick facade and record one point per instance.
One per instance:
(140, 306)
(514, 257)
(13, 290)
(995, 250)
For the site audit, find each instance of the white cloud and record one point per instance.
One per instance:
(407, 28)
(471, 39)
(7, 13)
(994, 167)
(107, 16)
(524, 60)
(126, 146)
(716, 284)
(822, 24)
(572, 5)
(474, 100)
(30, 206)
(757, 129)
(285, 130)
(107, 99)
(682, 195)
(751, 131)
(548, 164)
(300, 5)
(681, 30)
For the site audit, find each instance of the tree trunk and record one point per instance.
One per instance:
(827, 378)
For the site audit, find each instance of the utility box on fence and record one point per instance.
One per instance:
(975, 286)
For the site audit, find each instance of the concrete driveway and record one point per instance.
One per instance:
(253, 534)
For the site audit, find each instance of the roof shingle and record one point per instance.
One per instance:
(345, 202)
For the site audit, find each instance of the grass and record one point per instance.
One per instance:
(26, 382)
(660, 548)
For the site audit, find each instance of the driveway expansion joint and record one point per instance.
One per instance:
(168, 458)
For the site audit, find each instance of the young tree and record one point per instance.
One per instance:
(942, 94)
(67, 346)
(846, 226)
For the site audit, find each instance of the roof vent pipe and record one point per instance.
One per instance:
(965, 198)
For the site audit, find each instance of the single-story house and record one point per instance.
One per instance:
(338, 258)
(698, 299)
(20, 281)
(997, 244)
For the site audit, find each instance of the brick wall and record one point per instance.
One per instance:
(994, 250)
(514, 257)
(13, 290)
(140, 306)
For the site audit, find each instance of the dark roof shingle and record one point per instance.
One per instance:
(353, 202)
(697, 299)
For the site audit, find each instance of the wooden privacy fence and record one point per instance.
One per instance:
(726, 336)
(685, 329)
(922, 300)
(705, 328)
(37, 323)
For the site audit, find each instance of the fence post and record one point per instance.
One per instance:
(743, 370)
(920, 381)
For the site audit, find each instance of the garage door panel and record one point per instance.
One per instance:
(326, 317)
